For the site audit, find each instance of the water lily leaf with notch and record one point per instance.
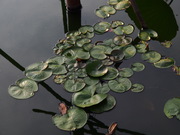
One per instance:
(88, 46)
(120, 85)
(123, 4)
(105, 11)
(102, 88)
(137, 67)
(58, 69)
(60, 79)
(128, 29)
(113, 2)
(101, 27)
(167, 44)
(75, 118)
(86, 28)
(24, 88)
(74, 85)
(91, 80)
(137, 87)
(38, 71)
(129, 51)
(96, 69)
(80, 42)
(102, 14)
(56, 60)
(117, 23)
(151, 56)
(164, 63)
(141, 48)
(81, 72)
(87, 98)
(106, 105)
(126, 72)
(172, 108)
(144, 35)
(111, 74)
(117, 55)
(122, 40)
(118, 30)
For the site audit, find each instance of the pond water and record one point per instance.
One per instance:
(28, 32)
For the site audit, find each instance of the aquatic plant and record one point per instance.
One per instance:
(90, 70)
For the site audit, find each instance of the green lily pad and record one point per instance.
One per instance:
(172, 108)
(91, 80)
(88, 46)
(102, 14)
(151, 56)
(113, 2)
(87, 98)
(72, 85)
(96, 69)
(144, 35)
(80, 42)
(60, 79)
(102, 88)
(106, 105)
(56, 60)
(117, 55)
(164, 63)
(137, 87)
(82, 54)
(167, 44)
(86, 28)
(120, 85)
(122, 40)
(118, 30)
(24, 88)
(38, 71)
(128, 29)
(75, 118)
(101, 27)
(58, 69)
(111, 74)
(81, 72)
(126, 72)
(129, 51)
(137, 67)
(123, 4)
(105, 11)
(117, 23)
(98, 53)
(141, 48)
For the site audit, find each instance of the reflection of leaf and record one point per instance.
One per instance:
(158, 16)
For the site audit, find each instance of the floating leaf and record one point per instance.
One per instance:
(80, 42)
(151, 56)
(122, 40)
(81, 73)
(115, 24)
(58, 69)
(129, 51)
(120, 85)
(75, 118)
(126, 72)
(164, 63)
(101, 27)
(117, 55)
(106, 105)
(96, 69)
(91, 80)
(38, 71)
(144, 35)
(88, 46)
(118, 30)
(74, 85)
(167, 44)
(102, 88)
(128, 29)
(56, 60)
(113, 2)
(60, 79)
(100, 13)
(137, 87)
(172, 108)
(137, 67)
(111, 74)
(86, 28)
(141, 48)
(98, 52)
(86, 97)
(24, 88)
(123, 4)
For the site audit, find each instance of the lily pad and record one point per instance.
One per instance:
(117, 23)
(87, 98)
(106, 105)
(151, 56)
(128, 29)
(172, 108)
(96, 69)
(120, 85)
(137, 67)
(75, 118)
(91, 80)
(122, 40)
(58, 69)
(129, 51)
(111, 74)
(137, 87)
(101, 27)
(102, 88)
(56, 60)
(123, 4)
(60, 79)
(105, 11)
(24, 88)
(38, 71)
(118, 30)
(117, 55)
(141, 48)
(144, 35)
(126, 72)
(80, 42)
(72, 85)
(165, 63)
(86, 28)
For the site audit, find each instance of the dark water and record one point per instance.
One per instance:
(28, 32)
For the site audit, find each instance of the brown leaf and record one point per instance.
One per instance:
(63, 108)
(112, 128)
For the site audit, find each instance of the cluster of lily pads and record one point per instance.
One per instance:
(91, 70)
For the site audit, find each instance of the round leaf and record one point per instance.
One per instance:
(75, 118)
(165, 63)
(123, 4)
(137, 87)
(128, 29)
(102, 88)
(137, 67)
(91, 80)
(74, 85)
(101, 27)
(126, 72)
(111, 74)
(23, 89)
(129, 51)
(151, 56)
